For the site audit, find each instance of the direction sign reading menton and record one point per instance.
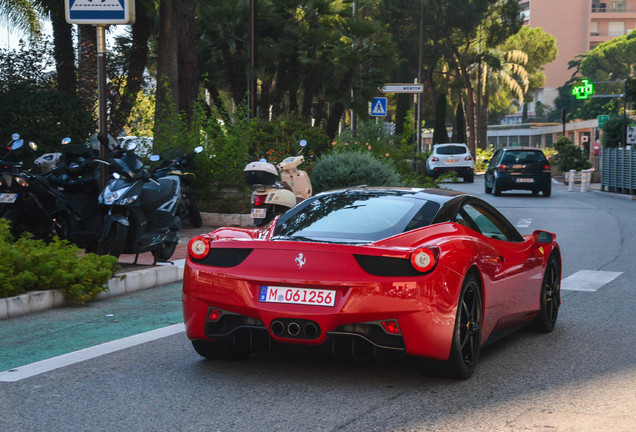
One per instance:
(100, 12)
(402, 88)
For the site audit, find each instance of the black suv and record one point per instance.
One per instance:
(518, 168)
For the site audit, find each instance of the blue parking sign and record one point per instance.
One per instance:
(99, 12)
(378, 107)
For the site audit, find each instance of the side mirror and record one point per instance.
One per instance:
(131, 146)
(15, 136)
(17, 144)
(198, 149)
(154, 158)
(486, 161)
(66, 140)
(303, 143)
(543, 237)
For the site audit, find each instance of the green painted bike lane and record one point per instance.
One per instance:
(28, 339)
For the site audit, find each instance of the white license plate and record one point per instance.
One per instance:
(524, 180)
(304, 296)
(258, 213)
(8, 198)
(451, 161)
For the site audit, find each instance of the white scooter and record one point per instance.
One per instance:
(271, 197)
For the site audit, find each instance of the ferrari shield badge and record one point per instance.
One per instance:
(300, 260)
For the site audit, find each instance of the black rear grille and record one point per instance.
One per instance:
(224, 257)
(386, 266)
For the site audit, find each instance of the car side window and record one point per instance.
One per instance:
(495, 159)
(486, 223)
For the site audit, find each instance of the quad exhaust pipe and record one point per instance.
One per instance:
(295, 329)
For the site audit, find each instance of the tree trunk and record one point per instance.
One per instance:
(235, 71)
(187, 57)
(87, 72)
(141, 31)
(334, 119)
(64, 55)
(167, 95)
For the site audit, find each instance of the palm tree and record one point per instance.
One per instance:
(498, 72)
(23, 14)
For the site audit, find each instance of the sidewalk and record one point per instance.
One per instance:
(131, 277)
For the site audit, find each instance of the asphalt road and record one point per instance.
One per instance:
(581, 377)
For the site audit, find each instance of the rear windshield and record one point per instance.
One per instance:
(524, 157)
(451, 150)
(354, 217)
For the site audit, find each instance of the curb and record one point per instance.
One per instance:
(125, 283)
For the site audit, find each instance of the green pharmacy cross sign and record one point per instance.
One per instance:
(583, 90)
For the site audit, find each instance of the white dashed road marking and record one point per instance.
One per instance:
(524, 223)
(588, 280)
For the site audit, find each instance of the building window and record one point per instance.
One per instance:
(594, 28)
(617, 6)
(616, 28)
(597, 6)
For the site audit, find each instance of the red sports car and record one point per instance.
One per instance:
(420, 272)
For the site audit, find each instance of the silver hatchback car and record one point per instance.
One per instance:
(451, 157)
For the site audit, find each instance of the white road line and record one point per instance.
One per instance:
(27, 371)
(588, 280)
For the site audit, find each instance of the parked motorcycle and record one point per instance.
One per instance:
(175, 161)
(28, 200)
(142, 212)
(271, 197)
(77, 176)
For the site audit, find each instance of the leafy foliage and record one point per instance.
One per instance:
(613, 132)
(33, 265)
(483, 155)
(569, 156)
(352, 168)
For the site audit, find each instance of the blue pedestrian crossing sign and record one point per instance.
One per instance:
(378, 107)
(100, 12)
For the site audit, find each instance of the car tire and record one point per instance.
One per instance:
(469, 178)
(547, 191)
(466, 342)
(550, 297)
(219, 350)
(496, 189)
(487, 189)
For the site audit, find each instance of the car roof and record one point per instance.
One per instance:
(447, 144)
(522, 149)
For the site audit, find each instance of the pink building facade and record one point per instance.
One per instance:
(578, 25)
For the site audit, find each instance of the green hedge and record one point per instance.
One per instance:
(33, 265)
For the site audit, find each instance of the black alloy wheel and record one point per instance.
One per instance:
(550, 297)
(466, 342)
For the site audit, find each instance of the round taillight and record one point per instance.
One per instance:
(198, 247)
(423, 259)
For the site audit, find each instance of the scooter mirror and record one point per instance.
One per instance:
(66, 140)
(154, 158)
(17, 144)
(303, 143)
(198, 149)
(131, 146)
(15, 136)
(262, 160)
(33, 146)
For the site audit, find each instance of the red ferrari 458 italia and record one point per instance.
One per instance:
(420, 272)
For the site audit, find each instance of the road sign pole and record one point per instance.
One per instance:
(101, 94)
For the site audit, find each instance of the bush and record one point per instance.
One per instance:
(33, 265)
(569, 156)
(337, 170)
(483, 155)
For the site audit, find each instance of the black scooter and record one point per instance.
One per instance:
(175, 161)
(141, 211)
(77, 177)
(28, 200)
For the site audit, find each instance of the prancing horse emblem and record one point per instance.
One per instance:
(300, 260)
